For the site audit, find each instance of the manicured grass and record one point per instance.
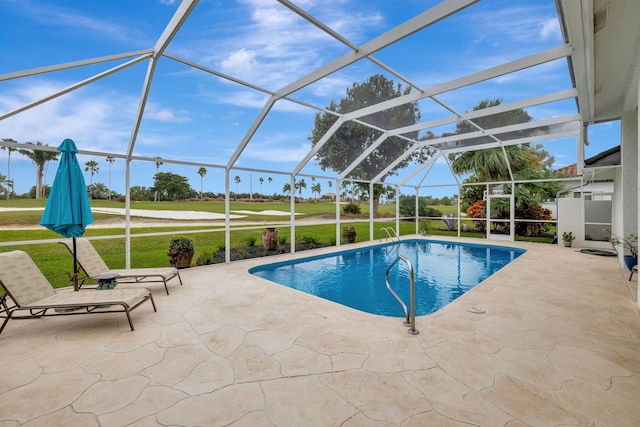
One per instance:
(310, 208)
(150, 251)
(55, 261)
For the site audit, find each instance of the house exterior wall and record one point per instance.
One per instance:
(570, 219)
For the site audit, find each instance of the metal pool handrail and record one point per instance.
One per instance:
(410, 316)
(390, 233)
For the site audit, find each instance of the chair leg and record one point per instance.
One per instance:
(9, 313)
(633, 270)
(153, 303)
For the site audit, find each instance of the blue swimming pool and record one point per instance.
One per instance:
(356, 277)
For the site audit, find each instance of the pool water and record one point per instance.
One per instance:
(356, 278)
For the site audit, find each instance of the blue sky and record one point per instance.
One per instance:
(194, 116)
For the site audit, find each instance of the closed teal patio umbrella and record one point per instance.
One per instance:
(68, 211)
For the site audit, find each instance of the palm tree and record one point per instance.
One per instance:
(286, 188)
(491, 164)
(270, 180)
(345, 191)
(110, 160)
(300, 185)
(9, 150)
(316, 189)
(202, 172)
(40, 158)
(261, 180)
(2, 180)
(158, 164)
(91, 166)
(237, 180)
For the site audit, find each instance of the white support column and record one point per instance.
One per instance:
(371, 218)
(292, 207)
(227, 218)
(397, 207)
(458, 210)
(338, 228)
(127, 215)
(417, 211)
(629, 155)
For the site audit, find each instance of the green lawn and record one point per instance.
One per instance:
(310, 208)
(150, 251)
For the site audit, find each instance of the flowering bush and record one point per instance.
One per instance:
(478, 210)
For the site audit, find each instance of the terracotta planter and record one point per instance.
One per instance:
(180, 259)
(270, 238)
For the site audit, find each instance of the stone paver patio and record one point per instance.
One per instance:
(558, 344)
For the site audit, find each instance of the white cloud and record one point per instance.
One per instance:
(95, 120)
(240, 98)
(332, 86)
(166, 114)
(279, 155)
(71, 19)
(277, 147)
(549, 29)
(521, 24)
(277, 46)
(241, 64)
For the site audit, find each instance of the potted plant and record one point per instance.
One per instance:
(348, 234)
(629, 244)
(425, 227)
(270, 238)
(568, 238)
(180, 252)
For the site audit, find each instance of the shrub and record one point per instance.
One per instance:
(282, 239)
(408, 207)
(251, 240)
(477, 210)
(205, 258)
(351, 208)
(425, 226)
(531, 210)
(308, 238)
(431, 212)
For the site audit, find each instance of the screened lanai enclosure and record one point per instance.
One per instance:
(406, 99)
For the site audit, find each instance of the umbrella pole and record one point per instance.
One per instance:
(75, 267)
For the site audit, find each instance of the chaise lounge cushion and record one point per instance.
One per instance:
(27, 289)
(93, 265)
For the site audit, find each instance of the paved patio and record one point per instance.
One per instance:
(558, 344)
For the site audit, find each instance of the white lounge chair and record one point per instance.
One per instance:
(93, 265)
(27, 289)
